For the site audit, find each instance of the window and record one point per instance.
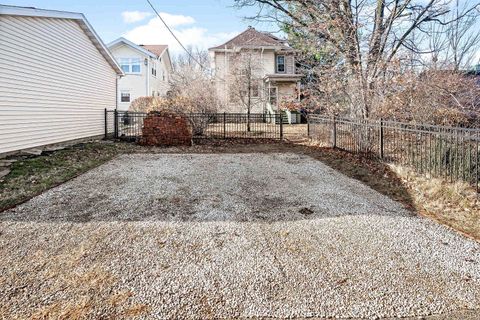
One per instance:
(255, 91)
(273, 96)
(130, 65)
(154, 69)
(280, 64)
(125, 96)
(232, 97)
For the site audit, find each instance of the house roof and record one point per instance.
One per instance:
(78, 17)
(252, 38)
(133, 45)
(157, 49)
(154, 51)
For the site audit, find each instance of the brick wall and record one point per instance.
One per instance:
(166, 129)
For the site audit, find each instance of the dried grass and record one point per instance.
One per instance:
(73, 284)
(454, 204)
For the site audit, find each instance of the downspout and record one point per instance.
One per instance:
(263, 85)
(148, 77)
(225, 84)
(116, 91)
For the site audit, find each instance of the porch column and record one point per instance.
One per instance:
(298, 90)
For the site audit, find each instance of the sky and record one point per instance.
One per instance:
(197, 23)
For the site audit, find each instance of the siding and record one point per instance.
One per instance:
(290, 62)
(136, 84)
(54, 83)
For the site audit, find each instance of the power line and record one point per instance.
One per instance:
(173, 34)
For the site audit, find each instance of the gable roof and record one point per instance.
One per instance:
(78, 17)
(154, 51)
(252, 38)
(157, 49)
(133, 45)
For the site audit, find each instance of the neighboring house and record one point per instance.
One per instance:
(56, 79)
(147, 70)
(268, 63)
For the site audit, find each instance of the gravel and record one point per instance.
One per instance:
(228, 235)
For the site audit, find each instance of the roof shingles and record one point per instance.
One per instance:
(156, 49)
(253, 38)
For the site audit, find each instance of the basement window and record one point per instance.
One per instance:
(125, 96)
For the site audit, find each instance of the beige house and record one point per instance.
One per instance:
(56, 79)
(266, 62)
(147, 70)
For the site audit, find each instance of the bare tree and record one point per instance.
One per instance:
(367, 37)
(463, 36)
(454, 45)
(191, 80)
(245, 81)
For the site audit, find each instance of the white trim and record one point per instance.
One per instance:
(167, 51)
(133, 45)
(79, 17)
(277, 56)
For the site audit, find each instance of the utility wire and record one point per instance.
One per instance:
(173, 34)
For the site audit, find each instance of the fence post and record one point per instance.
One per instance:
(281, 126)
(477, 152)
(308, 125)
(224, 125)
(381, 139)
(115, 126)
(334, 133)
(106, 125)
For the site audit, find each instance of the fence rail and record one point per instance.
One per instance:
(129, 125)
(451, 153)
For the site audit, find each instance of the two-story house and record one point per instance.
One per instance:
(265, 61)
(147, 70)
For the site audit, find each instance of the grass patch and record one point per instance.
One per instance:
(32, 175)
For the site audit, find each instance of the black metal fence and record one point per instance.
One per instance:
(129, 125)
(448, 152)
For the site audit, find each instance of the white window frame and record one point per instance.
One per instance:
(130, 63)
(284, 63)
(270, 96)
(154, 69)
(129, 96)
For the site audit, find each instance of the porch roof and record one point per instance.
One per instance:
(282, 77)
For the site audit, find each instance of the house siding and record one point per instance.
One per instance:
(137, 84)
(223, 64)
(54, 83)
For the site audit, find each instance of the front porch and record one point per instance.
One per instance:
(279, 90)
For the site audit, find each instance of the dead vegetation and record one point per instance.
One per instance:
(454, 204)
(73, 281)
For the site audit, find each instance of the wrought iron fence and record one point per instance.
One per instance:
(129, 125)
(449, 152)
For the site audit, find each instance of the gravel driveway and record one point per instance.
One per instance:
(228, 235)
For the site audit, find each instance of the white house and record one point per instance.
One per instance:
(147, 70)
(56, 78)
